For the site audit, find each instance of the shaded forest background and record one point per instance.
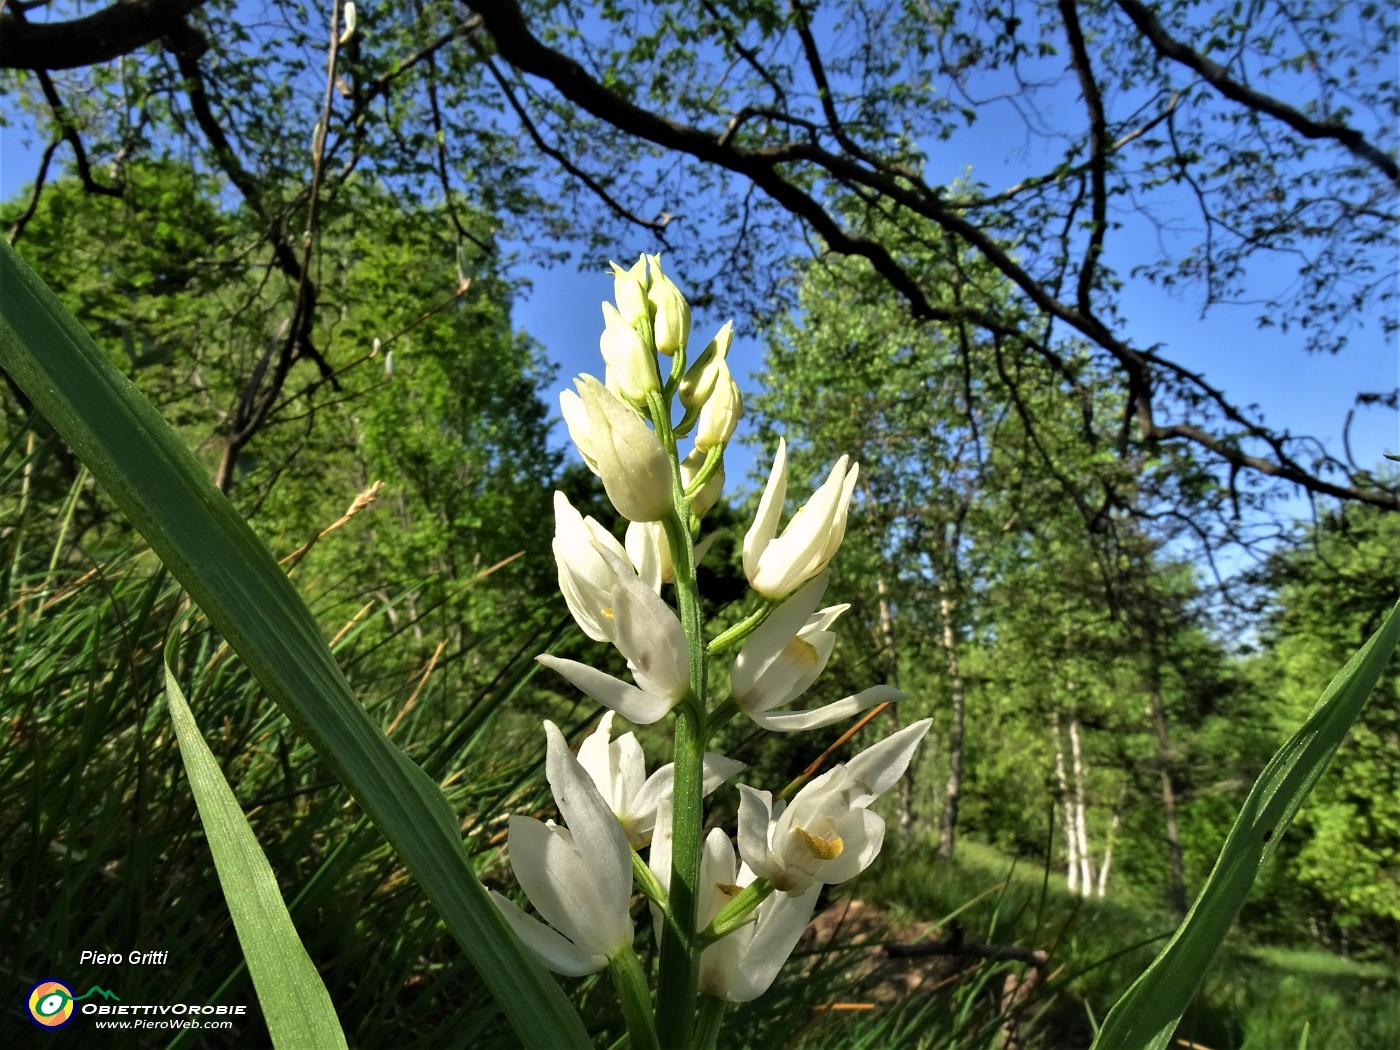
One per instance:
(302, 240)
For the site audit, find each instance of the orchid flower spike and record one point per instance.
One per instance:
(618, 770)
(828, 834)
(776, 567)
(578, 877)
(741, 965)
(618, 446)
(784, 656)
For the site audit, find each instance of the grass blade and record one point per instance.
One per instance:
(233, 578)
(294, 1000)
(1148, 1013)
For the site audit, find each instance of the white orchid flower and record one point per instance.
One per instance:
(613, 604)
(630, 291)
(741, 965)
(784, 656)
(828, 833)
(776, 567)
(618, 770)
(578, 877)
(585, 579)
(618, 446)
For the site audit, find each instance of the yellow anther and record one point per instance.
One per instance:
(822, 849)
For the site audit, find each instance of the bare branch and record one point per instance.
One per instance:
(118, 29)
(1218, 77)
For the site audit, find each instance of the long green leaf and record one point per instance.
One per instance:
(294, 1000)
(1148, 1013)
(226, 569)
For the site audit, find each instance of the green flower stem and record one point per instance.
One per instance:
(709, 1023)
(651, 889)
(738, 911)
(731, 637)
(680, 947)
(713, 458)
(635, 994)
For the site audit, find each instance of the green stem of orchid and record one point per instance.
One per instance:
(680, 947)
(708, 1024)
(632, 989)
(730, 638)
(738, 911)
(649, 886)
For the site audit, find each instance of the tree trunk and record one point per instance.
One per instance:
(1178, 898)
(1081, 818)
(889, 660)
(1109, 842)
(953, 792)
(1071, 838)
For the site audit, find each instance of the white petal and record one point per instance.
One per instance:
(627, 700)
(648, 633)
(781, 920)
(598, 838)
(594, 757)
(716, 769)
(878, 768)
(862, 833)
(649, 552)
(755, 813)
(629, 771)
(576, 419)
(564, 889)
(766, 644)
(770, 510)
(553, 949)
(796, 721)
(659, 856)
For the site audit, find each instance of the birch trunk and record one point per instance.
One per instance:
(1081, 827)
(1071, 838)
(953, 792)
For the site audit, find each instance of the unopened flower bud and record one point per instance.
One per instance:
(620, 448)
(721, 412)
(631, 364)
(630, 291)
(670, 313)
(699, 380)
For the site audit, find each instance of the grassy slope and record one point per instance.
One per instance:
(1253, 999)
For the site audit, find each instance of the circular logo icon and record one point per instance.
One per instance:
(51, 1004)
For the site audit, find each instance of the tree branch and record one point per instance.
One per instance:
(118, 29)
(1218, 77)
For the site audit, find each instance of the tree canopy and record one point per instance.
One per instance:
(1061, 149)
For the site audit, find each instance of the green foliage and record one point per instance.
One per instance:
(1332, 585)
